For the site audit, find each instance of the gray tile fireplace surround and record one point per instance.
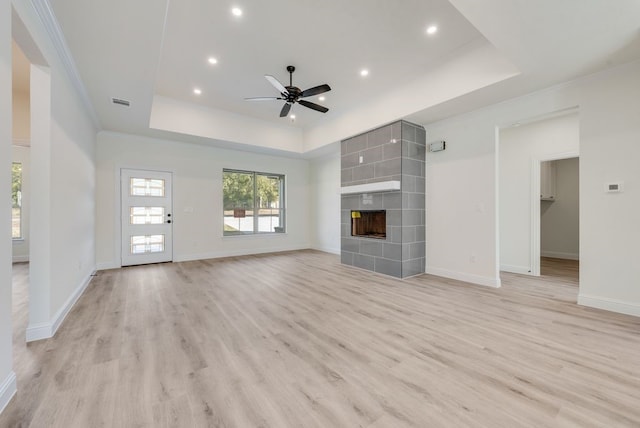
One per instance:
(394, 152)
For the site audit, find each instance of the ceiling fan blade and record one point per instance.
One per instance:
(313, 106)
(315, 91)
(263, 98)
(276, 84)
(285, 109)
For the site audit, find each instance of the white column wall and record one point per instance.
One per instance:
(7, 377)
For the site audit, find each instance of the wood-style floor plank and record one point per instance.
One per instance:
(297, 340)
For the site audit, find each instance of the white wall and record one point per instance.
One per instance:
(461, 186)
(7, 377)
(197, 184)
(519, 148)
(20, 251)
(325, 204)
(559, 220)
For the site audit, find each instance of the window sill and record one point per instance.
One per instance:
(255, 235)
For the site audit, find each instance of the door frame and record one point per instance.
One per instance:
(535, 205)
(117, 213)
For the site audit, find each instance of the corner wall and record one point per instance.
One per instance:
(62, 250)
(324, 179)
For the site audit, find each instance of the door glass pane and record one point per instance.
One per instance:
(147, 244)
(146, 187)
(146, 215)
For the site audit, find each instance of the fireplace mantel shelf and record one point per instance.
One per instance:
(380, 186)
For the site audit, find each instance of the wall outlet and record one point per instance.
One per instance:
(361, 159)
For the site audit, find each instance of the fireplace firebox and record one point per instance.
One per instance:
(369, 224)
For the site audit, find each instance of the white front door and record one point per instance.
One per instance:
(146, 217)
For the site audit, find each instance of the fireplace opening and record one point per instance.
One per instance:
(369, 224)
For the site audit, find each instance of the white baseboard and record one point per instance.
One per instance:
(47, 330)
(20, 259)
(524, 270)
(108, 265)
(8, 389)
(466, 277)
(327, 250)
(560, 255)
(607, 304)
(243, 252)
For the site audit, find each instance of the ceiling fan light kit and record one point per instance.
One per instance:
(292, 94)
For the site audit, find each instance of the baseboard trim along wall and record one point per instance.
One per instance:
(8, 389)
(559, 255)
(243, 252)
(466, 277)
(607, 304)
(327, 250)
(524, 270)
(48, 329)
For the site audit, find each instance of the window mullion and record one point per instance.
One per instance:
(256, 210)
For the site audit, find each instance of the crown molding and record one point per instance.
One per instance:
(45, 13)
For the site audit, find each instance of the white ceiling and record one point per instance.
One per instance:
(154, 52)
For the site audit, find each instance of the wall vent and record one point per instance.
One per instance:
(121, 102)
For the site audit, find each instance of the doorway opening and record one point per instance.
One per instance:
(531, 211)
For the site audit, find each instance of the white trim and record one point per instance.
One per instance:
(466, 277)
(523, 270)
(47, 330)
(560, 255)
(607, 304)
(45, 13)
(8, 389)
(380, 186)
(107, 265)
(20, 259)
(21, 142)
(327, 250)
(243, 252)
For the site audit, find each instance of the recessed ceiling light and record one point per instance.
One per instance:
(432, 29)
(236, 11)
(212, 60)
(293, 116)
(321, 98)
(364, 72)
(197, 91)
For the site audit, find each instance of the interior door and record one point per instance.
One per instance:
(147, 222)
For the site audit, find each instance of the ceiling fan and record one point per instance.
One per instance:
(292, 94)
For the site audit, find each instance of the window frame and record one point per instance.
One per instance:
(256, 204)
(20, 236)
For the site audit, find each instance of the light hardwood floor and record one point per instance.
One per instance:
(297, 340)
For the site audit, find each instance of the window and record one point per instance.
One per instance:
(16, 200)
(253, 202)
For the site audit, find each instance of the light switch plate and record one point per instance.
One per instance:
(614, 187)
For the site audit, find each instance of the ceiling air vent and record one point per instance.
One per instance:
(121, 102)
